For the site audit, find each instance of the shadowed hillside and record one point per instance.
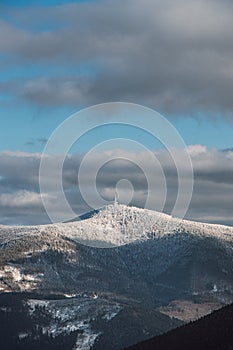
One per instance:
(213, 332)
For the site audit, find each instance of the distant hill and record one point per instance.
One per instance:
(212, 332)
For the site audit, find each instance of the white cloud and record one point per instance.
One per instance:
(20, 199)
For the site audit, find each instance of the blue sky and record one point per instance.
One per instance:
(57, 57)
(35, 118)
(32, 125)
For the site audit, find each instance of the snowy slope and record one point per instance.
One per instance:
(116, 225)
(153, 256)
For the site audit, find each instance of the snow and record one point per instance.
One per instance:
(22, 335)
(24, 281)
(75, 314)
(118, 225)
(109, 317)
(85, 341)
(33, 303)
(114, 225)
(70, 295)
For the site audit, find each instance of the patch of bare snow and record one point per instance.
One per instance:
(86, 340)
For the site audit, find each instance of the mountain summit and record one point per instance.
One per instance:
(142, 241)
(117, 225)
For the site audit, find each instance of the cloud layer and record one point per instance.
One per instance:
(175, 56)
(212, 201)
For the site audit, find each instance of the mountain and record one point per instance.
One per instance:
(81, 322)
(129, 266)
(211, 332)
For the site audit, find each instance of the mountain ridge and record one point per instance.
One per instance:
(117, 225)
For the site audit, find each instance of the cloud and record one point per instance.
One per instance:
(175, 56)
(20, 201)
(55, 91)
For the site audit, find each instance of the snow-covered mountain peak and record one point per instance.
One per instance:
(153, 239)
(114, 225)
(117, 224)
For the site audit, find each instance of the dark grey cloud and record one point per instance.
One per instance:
(18, 171)
(20, 200)
(173, 55)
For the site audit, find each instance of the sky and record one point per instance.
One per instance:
(58, 57)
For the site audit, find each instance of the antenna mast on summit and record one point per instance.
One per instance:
(116, 198)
